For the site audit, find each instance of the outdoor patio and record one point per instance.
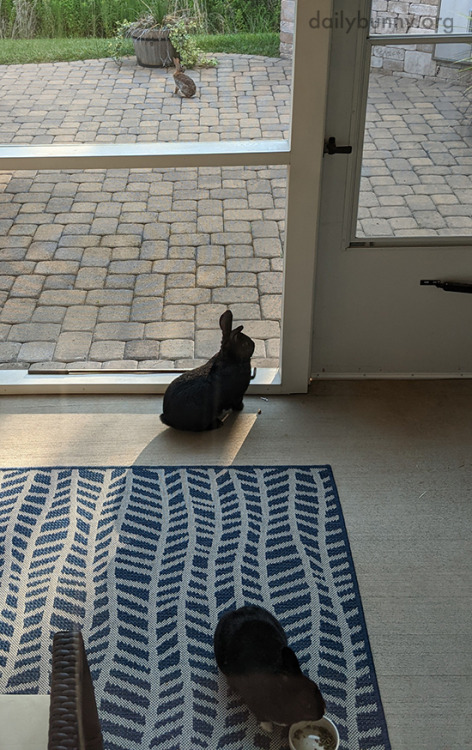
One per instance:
(132, 268)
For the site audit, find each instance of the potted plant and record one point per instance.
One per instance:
(150, 34)
(162, 32)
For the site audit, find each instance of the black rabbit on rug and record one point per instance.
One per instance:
(252, 651)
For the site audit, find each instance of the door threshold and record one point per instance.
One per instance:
(24, 382)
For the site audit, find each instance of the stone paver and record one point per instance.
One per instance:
(133, 267)
(417, 165)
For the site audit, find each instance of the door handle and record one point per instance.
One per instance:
(449, 286)
(330, 147)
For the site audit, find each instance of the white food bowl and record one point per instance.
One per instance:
(302, 735)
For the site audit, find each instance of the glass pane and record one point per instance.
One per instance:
(417, 159)
(132, 268)
(245, 97)
(429, 17)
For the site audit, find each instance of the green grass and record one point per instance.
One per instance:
(266, 44)
(21, 51)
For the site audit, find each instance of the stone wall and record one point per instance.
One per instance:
(390, 17)
(396, 17)
(404, 16)
(287, 19)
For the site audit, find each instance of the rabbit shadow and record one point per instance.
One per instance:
(219, 446)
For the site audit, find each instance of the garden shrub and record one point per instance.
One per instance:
(99, 18)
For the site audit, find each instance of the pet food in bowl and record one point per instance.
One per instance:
(314, 735)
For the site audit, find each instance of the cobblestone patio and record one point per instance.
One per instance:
(417, 167)
(131, 268)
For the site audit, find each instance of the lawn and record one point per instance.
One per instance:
(22, 51)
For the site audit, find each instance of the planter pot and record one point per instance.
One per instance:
(153, 48)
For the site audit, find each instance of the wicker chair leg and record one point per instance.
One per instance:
(73, 715)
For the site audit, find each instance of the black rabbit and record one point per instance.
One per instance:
(251, 649)
(196, 399)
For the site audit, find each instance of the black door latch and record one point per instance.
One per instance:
(330, 147)
(449, 286)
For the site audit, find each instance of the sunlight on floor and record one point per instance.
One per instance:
(52, 439)
(218, 447)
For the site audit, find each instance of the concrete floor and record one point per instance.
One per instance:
(401, 453)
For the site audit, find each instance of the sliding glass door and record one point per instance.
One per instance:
(133, 218)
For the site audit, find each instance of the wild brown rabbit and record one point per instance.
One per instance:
(183, 82)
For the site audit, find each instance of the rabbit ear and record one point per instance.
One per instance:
(226, 322)
(289, 661)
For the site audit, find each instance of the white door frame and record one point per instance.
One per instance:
(357, 279)
(360, 90)
(346, 119)
(302, 155)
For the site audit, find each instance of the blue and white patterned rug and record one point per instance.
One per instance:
(145, 560)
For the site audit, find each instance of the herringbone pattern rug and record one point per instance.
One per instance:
(145, 560)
